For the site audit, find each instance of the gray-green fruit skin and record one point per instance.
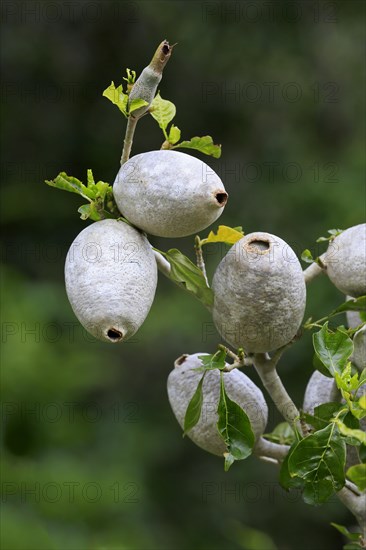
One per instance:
(111, 277)
(259, 294)
(345, 261)
(182, 383)
(320, 389)
(359, 348)
(168, 193)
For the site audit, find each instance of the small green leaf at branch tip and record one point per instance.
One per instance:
(345, 532)
(163, 111)
(193, 412)
(225, 234)
(307, 256)
(174, 134)
(234, 427)
(332, 235)
(117, 97)
(202, 144)
(188, 276)
(357, 474)
(333, 348)
(130, 79)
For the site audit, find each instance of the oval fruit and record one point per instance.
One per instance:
(111, 277)
(182, 383)
(259, 294)
(345, 261)
(169, 194)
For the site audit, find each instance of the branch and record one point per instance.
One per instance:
(355, 504)
(314, 269)
(162, 263)
(199, 256)
(127, 144)
(266, 368)
(267, 449)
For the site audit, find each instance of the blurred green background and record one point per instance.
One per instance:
(92, 457)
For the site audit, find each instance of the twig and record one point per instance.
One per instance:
(269, 449)
(199, 256)
(162, 263)
(127, 144)
(239, 360)
(314, 269)
(355, 504)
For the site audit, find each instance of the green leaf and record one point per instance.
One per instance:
(359, 435)
(345, 532)
(286, 481)
(187, 275)
(357, 474)
(90, 178)
(345, 380)
(203, 144)
(213, 362)
(323, 414)
(318, 460)
(362, 400)
(282, 434)
(332, 234)
(136, 104)
(162, 110)
(85, 211)
(234, 427)
(174, 134)
(307, 256)
(100, 196)
(117, 97)
(193, 412)
(333, 348)
(224, 234)
(71, 184)
(131, 77)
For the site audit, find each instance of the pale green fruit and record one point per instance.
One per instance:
(345, 261)
(111, 277)
(169, 194)
(259, 294)
(320, 389)
(183, 382)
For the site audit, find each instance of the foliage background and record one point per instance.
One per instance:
(82, 414)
